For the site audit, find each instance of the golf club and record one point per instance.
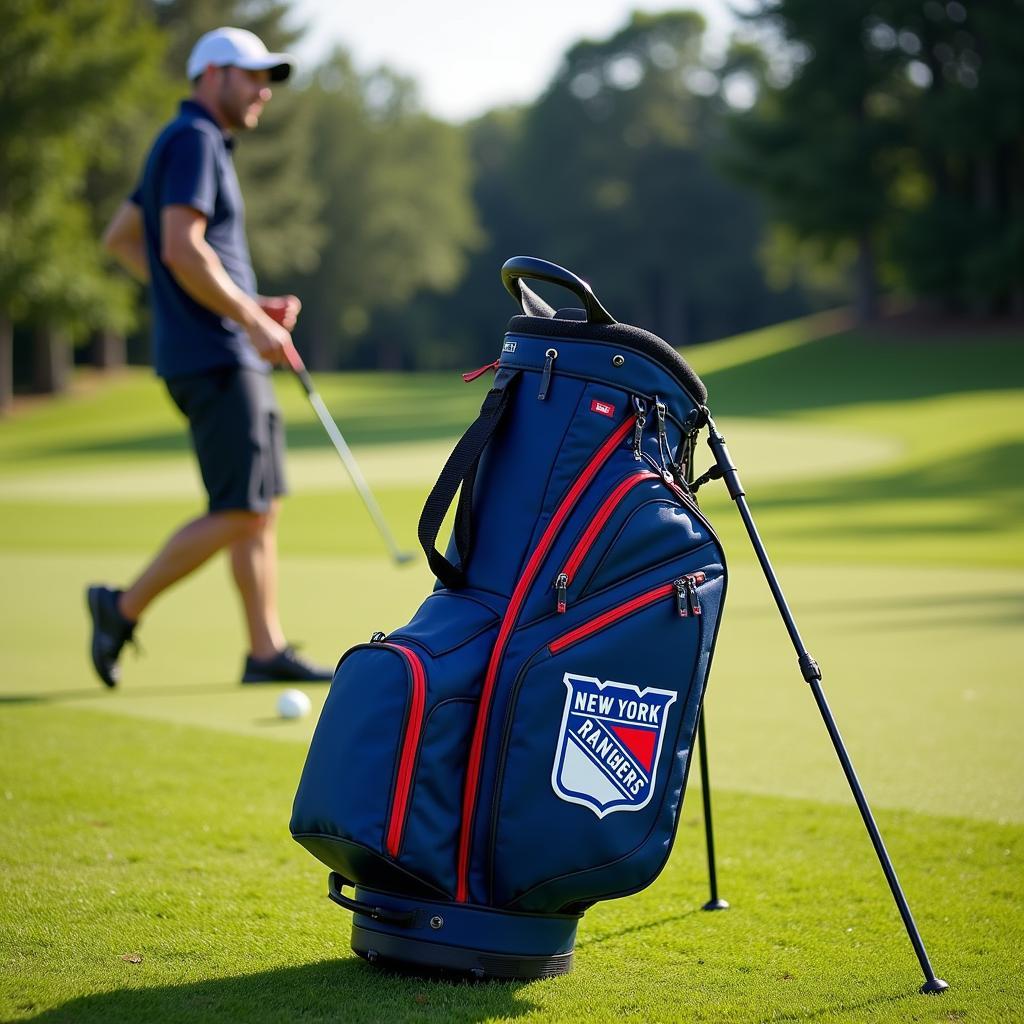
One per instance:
(346, 456)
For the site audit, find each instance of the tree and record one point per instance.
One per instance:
(66, 70)
(960, 239)
(397, 214)
(897, 126)
(617, 173)
(820, 145)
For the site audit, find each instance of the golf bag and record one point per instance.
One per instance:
(520, 749)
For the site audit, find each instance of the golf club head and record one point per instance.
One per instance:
(403, 557)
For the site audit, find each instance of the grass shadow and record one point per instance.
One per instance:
(364, 431)
(993, 474)
(102, 693)
(334, 990)
(857, 367)
(597, 940)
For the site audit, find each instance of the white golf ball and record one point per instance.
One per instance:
(293, 704)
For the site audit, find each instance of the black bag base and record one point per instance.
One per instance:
(461, 939)
(432, 959)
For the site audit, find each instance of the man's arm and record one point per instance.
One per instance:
(125, 240)
(199, 271)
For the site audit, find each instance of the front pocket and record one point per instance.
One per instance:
(596, 747)
(654, 533)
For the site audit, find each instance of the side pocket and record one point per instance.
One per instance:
(380, 793)
(358, 776)
(437, 794)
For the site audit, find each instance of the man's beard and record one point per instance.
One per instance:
(233, 109)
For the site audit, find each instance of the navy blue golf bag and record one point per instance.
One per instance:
(519, 750)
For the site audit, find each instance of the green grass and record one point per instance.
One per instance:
(885, 475)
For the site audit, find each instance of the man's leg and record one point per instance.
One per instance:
(115, 613)
(184, 552)
(254, 567)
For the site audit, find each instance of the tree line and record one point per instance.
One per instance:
(834, 152)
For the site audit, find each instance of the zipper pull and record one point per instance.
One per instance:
(545, 379)
(473, 374)
(681, 602)
(378, 637)
(641, 422)
(664, 448)
(561, 585)
(691, 592)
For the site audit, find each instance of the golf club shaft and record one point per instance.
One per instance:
(345, 454)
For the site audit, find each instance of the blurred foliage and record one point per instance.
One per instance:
(616, 160)
(72, 76)
(897, 127)
(855, 147)
(611, 172)
(397, 218)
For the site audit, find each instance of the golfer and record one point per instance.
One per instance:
(214, 342)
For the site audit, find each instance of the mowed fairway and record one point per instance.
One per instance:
(146, 872)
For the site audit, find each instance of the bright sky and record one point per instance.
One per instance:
(470, 55)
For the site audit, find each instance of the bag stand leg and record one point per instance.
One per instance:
(715, 903)
(812, 674)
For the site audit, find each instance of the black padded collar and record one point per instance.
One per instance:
(622, 335)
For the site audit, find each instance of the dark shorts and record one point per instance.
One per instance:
(237, 434)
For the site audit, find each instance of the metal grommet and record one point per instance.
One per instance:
(437, 921)
(618, 360)
(552, 353)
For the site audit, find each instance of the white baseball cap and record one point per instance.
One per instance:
(236, 47)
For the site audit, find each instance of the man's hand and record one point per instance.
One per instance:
(125, 240)
(284, 309)
(269, 338)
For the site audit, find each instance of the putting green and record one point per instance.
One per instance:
(914, 667)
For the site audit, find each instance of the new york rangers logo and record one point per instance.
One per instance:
(608, 746)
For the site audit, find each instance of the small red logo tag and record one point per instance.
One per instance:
(602, 407)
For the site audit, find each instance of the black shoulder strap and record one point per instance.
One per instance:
(461, 469)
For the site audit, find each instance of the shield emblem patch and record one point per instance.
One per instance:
(609, 744)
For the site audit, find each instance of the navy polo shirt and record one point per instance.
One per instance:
(190, 165)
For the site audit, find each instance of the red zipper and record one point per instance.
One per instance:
(621, 611)
(507, 625)
(603, 514)
(410, 745)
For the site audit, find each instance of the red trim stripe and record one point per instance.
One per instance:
(410, 744)
(507, 625)
(620, 611)
(603, 514)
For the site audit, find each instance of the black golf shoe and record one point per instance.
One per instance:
(110, 632)
(284, 667)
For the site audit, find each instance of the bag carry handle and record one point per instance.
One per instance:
(460, 469)
(540, 270)
(404, 918)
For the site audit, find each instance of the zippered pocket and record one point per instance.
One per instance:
(684, 589)
(597, 740)
(409, 746)
(380, 792)
(376, 707)
(566, 577)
